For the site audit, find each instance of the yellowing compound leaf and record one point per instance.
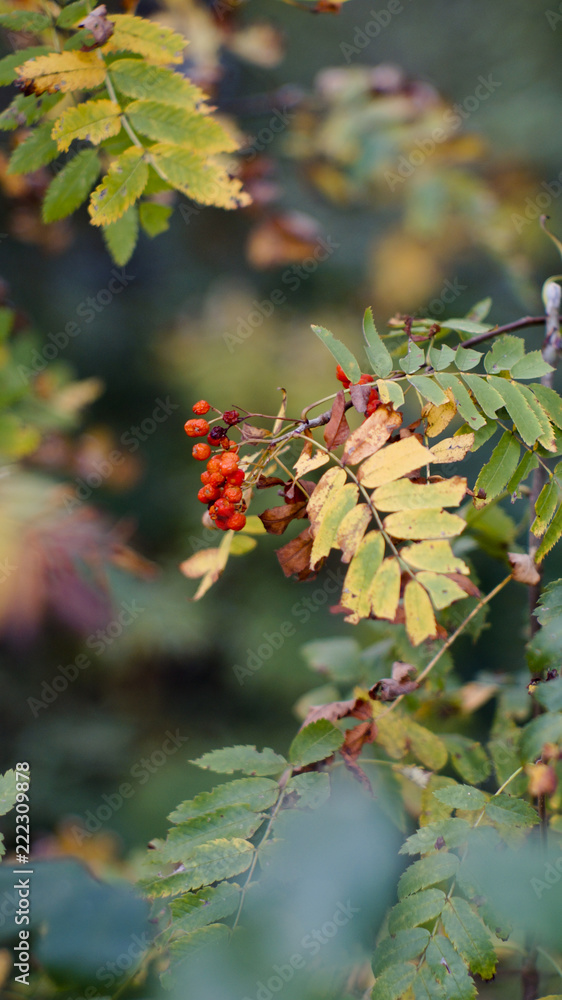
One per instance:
(439, 417)
(352, 529)
(552, 535)
(121, 186)
(406, 495)
(363, 566)
(63, 71)
(209, 564)
(184, 127)
(442, 590)
(393, 462)
(156, 83)
(339, 503)
(155, 42)
(427, 523)
(371, 435)
(420, 620)
(545, 507)
(452, 449)
(92, 120)
(384, 591)
(203, 178)
(330, 482)
(437, 557)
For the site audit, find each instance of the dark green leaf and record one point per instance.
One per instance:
(544, 729)
(470, 938)
(549, 694)
(550, 400)
(465, 405)
(379, 357)
(230, 821)
(255, 793)
(469, 758)
(495, 475)
(518, 409)
(427, 871)
(511, 811)
(393, 982)
(505, 353)
(461, 797)
(315, 742)
(9, 64)
(485, 396)
(340, 352)
(242, 758)
(417, 909)
(194, 910)
(523, 470)
(403, 947)
(70, 188)
(449, 833)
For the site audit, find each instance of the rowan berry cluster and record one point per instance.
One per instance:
(222, 479)
(374, 398)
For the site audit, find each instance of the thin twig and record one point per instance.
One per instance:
(518, 324)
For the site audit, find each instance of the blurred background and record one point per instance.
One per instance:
(404, 167)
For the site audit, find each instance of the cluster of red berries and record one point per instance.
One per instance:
(374, 398)
(222, 479)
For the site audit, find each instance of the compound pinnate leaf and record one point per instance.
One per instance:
(469, 937)
(381, 361)
(427, 871)
(393, 462)
(450, 833)
(551, 402)
(194, 910)
(34, 152)
(340, 352)
(421, 524)
(205, 179)
(394, 981)
(403, 947)
(154, 41)
(437, 557)
(448, 969)
(465, 406)
(242, 758)
(315, 742)
(518, 408)
(92, 120)
(184, 127)
(486, 397)
(71, 186)
(121, 187)
(461, 797)
(416, 909)
(420, 619)
(545, 507)
(228, 821)
(63, 71)
(503, 462)
(403, 494)
(532, 365)
(156, 83)
(218, 859)
(254, 793)
(505, 809)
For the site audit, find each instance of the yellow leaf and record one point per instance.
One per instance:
(122, 185)
(420, 620)
(205, 179)
(355, 592)
(63, 71)
(307, 461)
(442, 590)
(241, 544)
(426, 746)
(337, 505)
(452, 449)
(93, 120)
(208, 564)
(253, 526)
(384, 591)
(435, 556)
(371, 435)
(406, 495)
(392, 734)
(439, 417)
(427, 523)
(352, 529)
(154, 41)
(332, 480)
(393, 462)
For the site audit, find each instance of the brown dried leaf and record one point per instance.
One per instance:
(360, 396)
(401, 682)
(282, 239)
(250, 434)
(294, 557)
(371, 435)
(295, 492)
(465, 583)
(337, 429)
(96, 22)
(475, 694)
(276, 519)
(523, 568)
(264, 482)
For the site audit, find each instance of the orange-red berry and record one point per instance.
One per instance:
(196, 428)
(217, 479)
(214, 464)
(228, 463)
(207, 494)
(372, 403)
(201, 407)
(236, 522)
(236, 478)
(201, 451)
(342, 377)
(233, 494)
(365, 379)
(207, 478)
(226, 443)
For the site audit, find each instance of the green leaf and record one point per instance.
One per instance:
(403, 947)
(480, 310)
(120, 188)
(545, 507)
(212, 862)
(34, 152)
(511, 811)
(72, 13)
(340, 352)
(449, 969)
(485, 396)
(185, 127)
(414, 359)
(255, 793)
(465, 358)
(135, 78)
(121, 237)
(22, 111)
(518, 409)
(448, 833)
(544, 729)
(503, 462)
(70, 188)
(25, 20)
(549, 611)
(461, 797)
(94, 121)
(315, 742)
(7, 791)
(428, 747)
(427, 871)
(505, 353)
(417, 909)
(442, 590)
(194, 910)
(464, 403)
(339, 503)
(393, 390)
(428, 388)
(550, 694)
(469, 937)
(547, 437)
(550, 400)
(469, 758)
(154, 218)
(482, 435)
(242, 758)
(440, 357)
(9, 64)
(312, 787)
(465, 326)
(381, 361)
(230, 821)
(523, 470)
(532, 365)
(552, 535)
(393, 982)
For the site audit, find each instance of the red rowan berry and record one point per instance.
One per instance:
(236, 522)
(216, 434)
(201, 451)
(207, 478)
(217, 479)
(231, 417)
(365, 379)
(196, 428)
(201, 408)
(233, 494)
(223, 507)
(228, 463)
(207, 494)
(236, 478)
(342, 377)
(372, 403)
(225, 443)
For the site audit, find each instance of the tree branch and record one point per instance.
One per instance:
(518, 324)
